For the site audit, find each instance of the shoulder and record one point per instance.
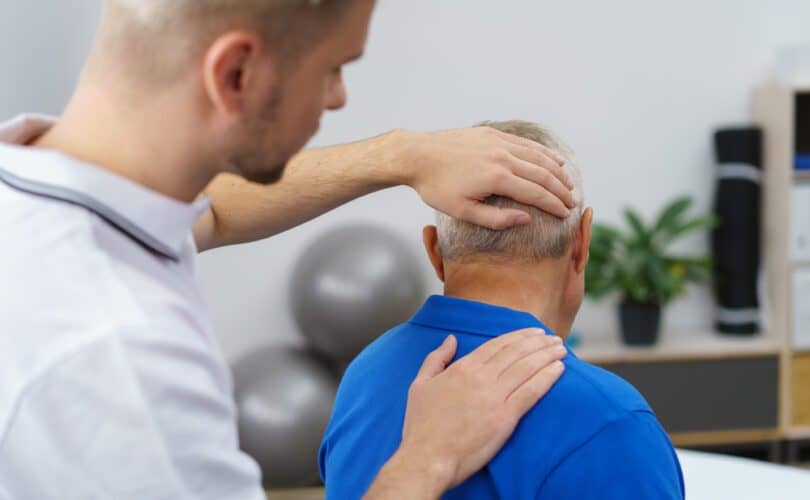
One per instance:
(396, 353)
(373, 391)
(59, 294)
(628, 457)
(586, 398)
(61, 280)
(598, 388)
(585, 402)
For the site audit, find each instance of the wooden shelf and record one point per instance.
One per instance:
(799, 175)
(297, 494)
(798, 432)
(678, 346)
(712, 438)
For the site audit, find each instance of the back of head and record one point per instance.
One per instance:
(546, 236)
(162, 38)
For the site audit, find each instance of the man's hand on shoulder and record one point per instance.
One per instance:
(459, 417)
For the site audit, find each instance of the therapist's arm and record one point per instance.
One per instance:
(453, 171)
(459, 417)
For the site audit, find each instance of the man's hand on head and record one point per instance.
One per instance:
(454, 171)
(459, 417)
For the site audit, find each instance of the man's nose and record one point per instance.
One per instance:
(337, 95)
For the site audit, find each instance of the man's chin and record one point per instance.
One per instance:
(266, 176)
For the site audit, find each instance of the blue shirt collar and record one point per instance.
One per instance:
(478, 318)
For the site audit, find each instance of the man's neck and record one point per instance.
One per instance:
(140, 139)
(532, 288)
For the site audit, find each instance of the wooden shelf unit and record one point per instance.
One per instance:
(715, 438)
(798, 432)
(775, 108)
(678, 346)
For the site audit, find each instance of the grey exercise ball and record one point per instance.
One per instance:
(352, 285)
(284, 398)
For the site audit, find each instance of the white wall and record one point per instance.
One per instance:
(636, 86)
(43, 46)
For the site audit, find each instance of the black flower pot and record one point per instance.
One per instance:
(640, 323)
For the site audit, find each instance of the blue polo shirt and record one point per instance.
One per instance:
(591, 437)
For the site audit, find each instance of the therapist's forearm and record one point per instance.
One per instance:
(407, 477)
(453, 171)
(315, 182)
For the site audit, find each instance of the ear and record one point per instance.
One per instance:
(230, 67)
(582, 250)
(430, 237)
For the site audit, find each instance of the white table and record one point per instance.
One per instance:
(716, 477)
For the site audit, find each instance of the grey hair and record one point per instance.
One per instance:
(546, 236)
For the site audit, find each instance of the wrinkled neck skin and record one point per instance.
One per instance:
(538, 288)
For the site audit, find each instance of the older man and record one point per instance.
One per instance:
(592, 437)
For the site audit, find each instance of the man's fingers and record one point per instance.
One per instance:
(485, 352)
(516, 373)
(541, 160)
(437, 361)
(527, 395)
(511, 353)
(543, 178)
(529, 193)
(521, 141)
(493, 217)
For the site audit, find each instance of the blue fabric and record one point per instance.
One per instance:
(802, 161)
(592, 437)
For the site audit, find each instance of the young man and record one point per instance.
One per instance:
(592, 437)
(111, 381)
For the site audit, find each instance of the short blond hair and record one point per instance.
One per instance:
(166, 36)
(546, 236)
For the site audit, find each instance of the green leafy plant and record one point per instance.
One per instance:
(637, 262)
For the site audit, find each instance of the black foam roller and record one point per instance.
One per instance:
(736, 240)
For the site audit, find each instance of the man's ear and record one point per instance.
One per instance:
(430, 237)
(230, 67)
(582, 252)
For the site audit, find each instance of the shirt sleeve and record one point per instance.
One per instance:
(629, 458)
(93, 426)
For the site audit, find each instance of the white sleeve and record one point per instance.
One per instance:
(113, 421)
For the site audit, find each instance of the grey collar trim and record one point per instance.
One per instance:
(115, 219)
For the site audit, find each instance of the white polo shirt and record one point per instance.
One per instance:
(112, 384)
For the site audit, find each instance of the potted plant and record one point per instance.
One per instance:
(638, 264)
